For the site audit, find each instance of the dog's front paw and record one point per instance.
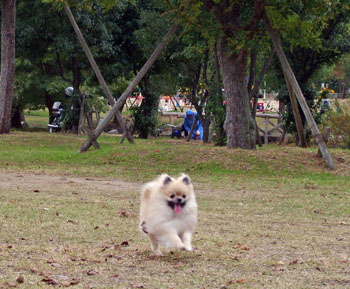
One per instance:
(158, 253)
(184, 248)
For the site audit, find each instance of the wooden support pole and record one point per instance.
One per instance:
(326, 134)
(96, 70)
(297, 116)
(130, 88)
(189, 136)
(298, 93)
(266, 134)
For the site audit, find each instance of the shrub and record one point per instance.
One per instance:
(339, 122)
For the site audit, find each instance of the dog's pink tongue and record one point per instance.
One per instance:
(177, 209)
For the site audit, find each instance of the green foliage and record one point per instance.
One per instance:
(85, 4)
(314, 101)
(72, 113)
(217, 110)
(145, 116)
(339, 122)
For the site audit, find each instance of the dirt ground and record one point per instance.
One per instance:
(25, 181)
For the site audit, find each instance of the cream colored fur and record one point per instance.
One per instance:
(164, 224)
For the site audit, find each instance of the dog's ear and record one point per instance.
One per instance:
(167, 180)
(186, 179)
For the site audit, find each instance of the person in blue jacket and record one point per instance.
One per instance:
(188, 121)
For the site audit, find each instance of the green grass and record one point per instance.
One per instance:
(271, 218)
(37, 119)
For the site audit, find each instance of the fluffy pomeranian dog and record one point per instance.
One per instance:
(168, 212)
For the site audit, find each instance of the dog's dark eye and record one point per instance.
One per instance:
(184, 196)
(172, 196)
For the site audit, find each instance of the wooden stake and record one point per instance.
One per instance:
(130, 88)
(297, 116)
(189, 136)
(295, 86)
(326, 134)
(96, 70)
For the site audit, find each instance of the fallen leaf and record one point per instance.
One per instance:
(124, 214)
(241, 247)
(10, 285)
(240, 281)
(91, 272)
(74, 282)
(50, 281)
(20, 279)
(105, 248)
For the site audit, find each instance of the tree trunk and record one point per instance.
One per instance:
(297, 117)
(8, 29)
(49, 102)
(17, 118)
(206, 124)
(239, 124)
(252, 70)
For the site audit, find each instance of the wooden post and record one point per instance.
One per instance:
(82, 114)
(295, 86)
(266, 135)
(326, 134)
(130, 88)
(128, 124)
(96, 69)
(189, 136)
(297, 117)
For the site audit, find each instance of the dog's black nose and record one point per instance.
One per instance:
(179, 200)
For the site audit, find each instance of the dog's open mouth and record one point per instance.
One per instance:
(177, 207)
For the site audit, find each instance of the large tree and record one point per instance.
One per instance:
(238, 22)
(8, 29)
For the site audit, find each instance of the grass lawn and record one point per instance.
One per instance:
(271, 218)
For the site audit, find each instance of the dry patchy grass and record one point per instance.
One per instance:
(82, 233)
(271, 218)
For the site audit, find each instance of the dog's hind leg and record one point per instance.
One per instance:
(154, 244)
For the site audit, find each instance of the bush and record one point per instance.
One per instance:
(339, 122)
(145, 116)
